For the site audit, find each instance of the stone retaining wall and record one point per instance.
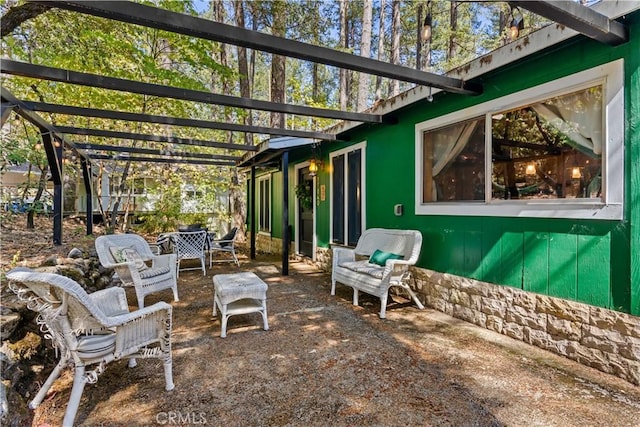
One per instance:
(267, 244)
(603, 339)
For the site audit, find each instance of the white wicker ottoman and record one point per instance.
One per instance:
(239, 293)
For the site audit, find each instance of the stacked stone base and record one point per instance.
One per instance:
(603, 339)
(268, 245)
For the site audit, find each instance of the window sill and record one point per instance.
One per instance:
(529, 209)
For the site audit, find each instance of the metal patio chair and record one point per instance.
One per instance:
(190, 245)
(224, 244)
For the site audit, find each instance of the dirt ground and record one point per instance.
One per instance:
(325, 362)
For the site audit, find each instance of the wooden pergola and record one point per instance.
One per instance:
(571, 14)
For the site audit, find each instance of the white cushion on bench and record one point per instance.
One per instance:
(364, 267)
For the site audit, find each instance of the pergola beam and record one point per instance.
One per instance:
(49, 132)
(161, 160)
(136, 150)
(578, 17)
(154, 138)
(175, 121)
(94, 80)
(7, 108)
(153, 17)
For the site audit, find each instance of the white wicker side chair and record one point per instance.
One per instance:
(89, 331)
(128, 255)
(190, 245)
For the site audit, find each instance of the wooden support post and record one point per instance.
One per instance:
(252, 203)
(88, 188)
(58, 200)
(285, 213)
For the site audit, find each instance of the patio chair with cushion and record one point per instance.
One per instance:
(129, 255)
(89, 331)
(224, 244)
(190, 245)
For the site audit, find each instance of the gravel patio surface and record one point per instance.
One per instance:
(324, 362)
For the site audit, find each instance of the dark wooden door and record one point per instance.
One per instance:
(305, 214)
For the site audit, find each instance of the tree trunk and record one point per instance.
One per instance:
(453, 22)
(344, 42)
(365, 50)
(16, 15)
(243, 69)
(395, 43)
(278, 13)
(219, 15)
(380, 49)
(252, 59)
(419, 37)
(42, 184)
(238, 205)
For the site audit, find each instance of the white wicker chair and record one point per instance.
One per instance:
(91, 330)
(159, 276)
(225, 244)
(190, 245)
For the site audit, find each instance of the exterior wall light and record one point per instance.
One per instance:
(313, 167)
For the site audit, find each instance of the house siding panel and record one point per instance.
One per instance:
(593, 277)
(563, 265)
(632, 100)
(536, 262)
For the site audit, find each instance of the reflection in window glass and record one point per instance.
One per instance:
(454, 162)
(549, 150)
(138, 186)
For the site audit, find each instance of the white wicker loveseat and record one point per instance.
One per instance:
(127, 254)
(389, 254)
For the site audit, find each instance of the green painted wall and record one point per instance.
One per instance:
(596, 262)
(632, 101)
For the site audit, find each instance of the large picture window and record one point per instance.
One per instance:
(347, 191)
(264, 204)
(554, 150)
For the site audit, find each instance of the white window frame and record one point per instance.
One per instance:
(363, 197)
(259, 181)
(611, 77)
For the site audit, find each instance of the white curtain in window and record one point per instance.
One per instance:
(578, 116)
(447, 145)
(449, 142)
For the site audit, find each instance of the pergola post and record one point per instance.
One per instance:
(252, 210)
(88, 188)
(58, 206)
(285, 213)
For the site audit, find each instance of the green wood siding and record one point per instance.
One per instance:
(277, 205)
(563, 265)
(632, 107)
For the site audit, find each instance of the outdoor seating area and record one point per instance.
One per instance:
(414, 213)
(324, 361)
